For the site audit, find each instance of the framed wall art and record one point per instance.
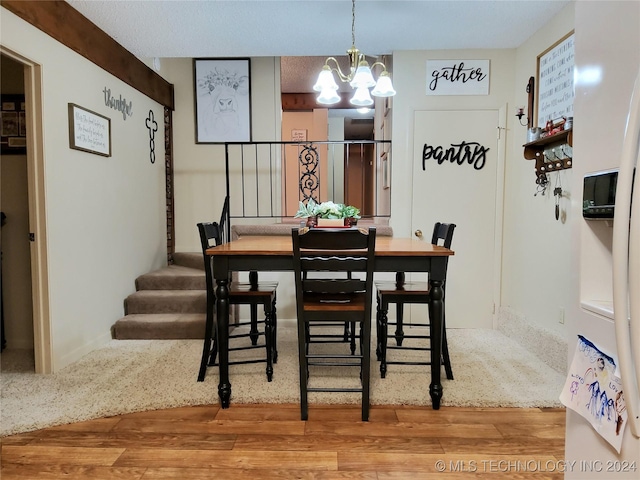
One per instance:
(13, 127)
(555, 81)
(299, 135)
(89, 131)
(222, 92)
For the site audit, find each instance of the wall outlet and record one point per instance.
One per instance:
(561, 317)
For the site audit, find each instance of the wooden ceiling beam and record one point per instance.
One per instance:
(65, 24)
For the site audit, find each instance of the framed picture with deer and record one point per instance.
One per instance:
(222, 92)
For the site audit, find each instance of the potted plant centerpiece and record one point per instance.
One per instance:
(328, 214)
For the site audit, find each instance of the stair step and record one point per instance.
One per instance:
(166, 301)
(160, 326)
(189, 259)
(173, 277)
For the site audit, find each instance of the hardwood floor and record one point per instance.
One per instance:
(270, 442)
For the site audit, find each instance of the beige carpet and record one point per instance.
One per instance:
(134, 375)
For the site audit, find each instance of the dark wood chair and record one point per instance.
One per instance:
(252, 294)
(325, 295)
(401, 293)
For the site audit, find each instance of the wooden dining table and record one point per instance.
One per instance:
(275, 253)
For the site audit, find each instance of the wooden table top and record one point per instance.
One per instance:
(282, 245)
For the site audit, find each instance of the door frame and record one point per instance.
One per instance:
(499, 212)
(42, 340)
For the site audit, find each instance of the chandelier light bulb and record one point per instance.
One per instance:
(363, 76)
(359, 75)
(328, 96)
(361, 98)
(384, 87)
(325, 80)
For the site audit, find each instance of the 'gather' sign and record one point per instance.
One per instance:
(457, 77)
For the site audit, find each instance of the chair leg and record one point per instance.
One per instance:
(378, 331)
(365, 347)
(304, 373)
(353, 338)
(207, 344)
(213, 353)
(445, 354)
(253, 333)
(274, 341)
(399, 325)
(384, 309)
(268, 335)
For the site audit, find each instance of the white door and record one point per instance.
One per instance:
(456, 180)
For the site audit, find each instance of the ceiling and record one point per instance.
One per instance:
(312, 29)
(198, 28)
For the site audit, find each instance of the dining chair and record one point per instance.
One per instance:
(252, 294)
(324, 294)
(401, 293)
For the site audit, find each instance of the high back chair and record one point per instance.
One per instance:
(401, 293)
(333, 296)
(252, 294)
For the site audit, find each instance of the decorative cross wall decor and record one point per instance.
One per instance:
(152, 125)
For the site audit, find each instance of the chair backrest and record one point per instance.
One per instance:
(443, 231)
(331, 251)
(210, 236)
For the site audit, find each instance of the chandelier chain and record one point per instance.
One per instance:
(353, 22)
(359, 75)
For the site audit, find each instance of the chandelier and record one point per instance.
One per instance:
(359, 77)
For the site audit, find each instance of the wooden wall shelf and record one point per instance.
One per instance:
(532, 148)
(536, 151)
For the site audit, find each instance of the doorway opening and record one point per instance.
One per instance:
(24, 240)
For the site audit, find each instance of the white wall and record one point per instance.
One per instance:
(535, 257)
(409, 78)
(105, 216)
(199, 169)
(536, 252)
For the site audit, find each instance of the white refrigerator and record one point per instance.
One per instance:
(605, 307)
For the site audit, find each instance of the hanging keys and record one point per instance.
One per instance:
(557, 192)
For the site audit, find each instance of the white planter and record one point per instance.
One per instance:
(330, 222)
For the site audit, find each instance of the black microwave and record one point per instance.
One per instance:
(599, 195)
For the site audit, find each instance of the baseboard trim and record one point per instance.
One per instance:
(78, 353)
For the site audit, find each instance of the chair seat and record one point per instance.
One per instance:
(328, 303)
(407, 288)
(245, 293)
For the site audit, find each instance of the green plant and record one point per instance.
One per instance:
(305, 211)
(326, 210)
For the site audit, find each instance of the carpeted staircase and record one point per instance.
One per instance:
(169, 303)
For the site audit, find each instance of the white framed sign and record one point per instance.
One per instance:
(555, 81)
(299, 135)
(89, 131)
(458, 77)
